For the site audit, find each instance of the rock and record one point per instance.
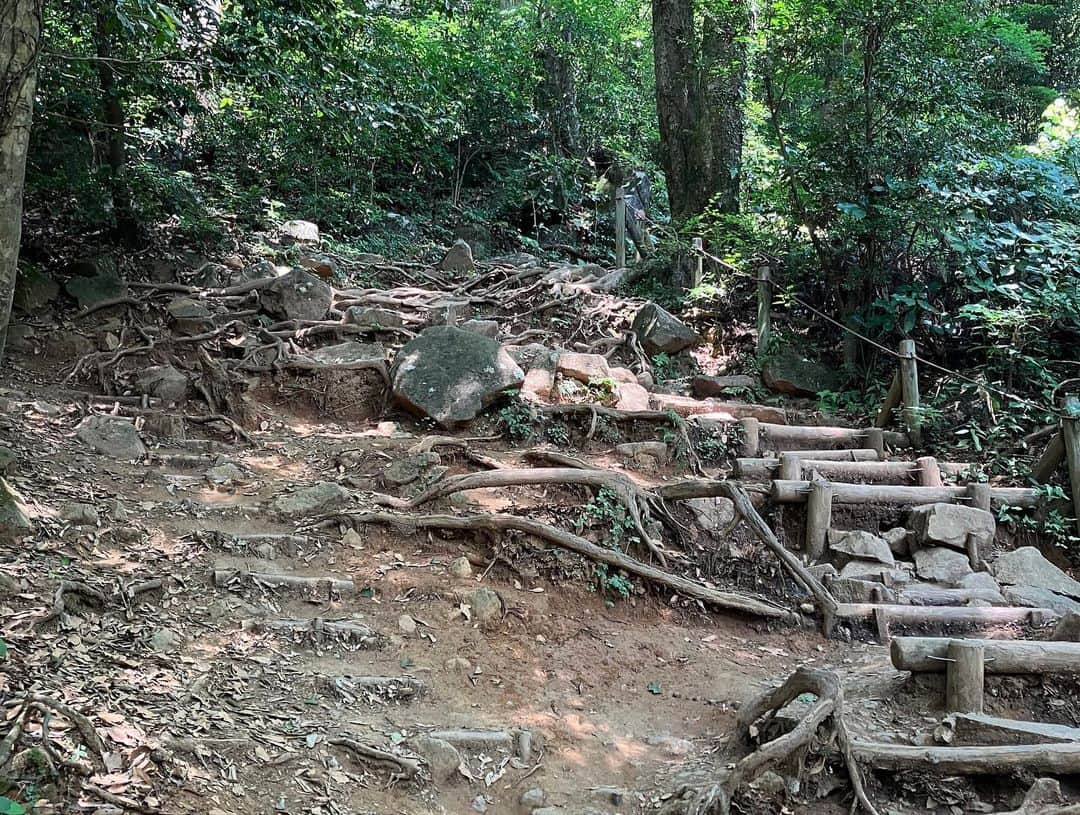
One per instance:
(897, 538)
(656, 450)
(89, 291)
(349, 354)
(478, 236)
(451, 375)
(624, 376)
(373, 317)
(319, 264)
(1067, 629)
(521, 260)
(978, 580)
(1027, 567)
(163, 382)
(314, 500)
(532, 799)
(189, 316)
(790, 372)
(299, 295)
(20, 337)
(33, 290)
(873, 570)
(9, 461)
(533, 355)
(583, 367)
(951, 524)
(486, 605)
(770, 783)
(67, 344)
(862, 546)
(227, 473)
(942, 565)
(823, 570)
(458, 258)
(706, 386)
(461, 568)
(458, 665)
(111, 436)
(409, 468)
(1036, 597)
(712, 514)
(671, 745)
(660, 331)
(851, 590)
(299, 232)
(260, 270)
(352, 539)
(407, 624)
(79, 514)
(631, 397)
(211, 275)
(442, 757)
(14, 521)
(537, 386)
(448, 312)
(485, 328)
(164, 639)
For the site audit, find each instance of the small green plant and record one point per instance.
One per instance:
(557, 434)
(1052, 525)
(607, 511)
(617, 584)
(663, 368)
(602, 388)
(9, 807)
(519, 419)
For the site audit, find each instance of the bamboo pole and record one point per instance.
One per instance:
(909, 383)
(1070, 428)
(620, 228)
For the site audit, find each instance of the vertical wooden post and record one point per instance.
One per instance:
(964, 677)
(1070, 429)
(909, 386)
(818, 518)
(1051, 458)
(699, 263)
(875, 439)
(929, 471)
(891, 403)
(764, 310)
(980, 495)
(790, 467)
(620, 228)
(751, 442)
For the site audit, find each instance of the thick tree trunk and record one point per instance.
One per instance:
(20, 35)
(557, 94)
(116, 136)
(724, 38)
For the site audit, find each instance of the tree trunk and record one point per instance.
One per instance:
(724, 63)
(20, 35)
(557, 94)
(116, 133)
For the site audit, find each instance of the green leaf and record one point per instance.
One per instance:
(3, 650)
(367, 592)
(9, 807)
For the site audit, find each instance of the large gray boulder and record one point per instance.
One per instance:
(33, 290)
(299, 295)
(111, 436)
(450, 375)
(317, 499)
(860, 545)
(372, 317)
(90, 291)
(790, 372)
(942, 565)
(1027, 567)
(299, 232)
(659, 331)
(349, 354)
(189, 316)
(1035, 597)
(163, 382)
(458, 258)
(951, 524)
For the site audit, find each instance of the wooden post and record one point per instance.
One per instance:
(699, 263)
(818, 518)
(751, 442)
(790, 467)
(764, 310)
(875, 440)
(964, 678)
(1070, 429)
(620, 228)
(909, 387)
(891, 403)
(929, 472)
(1051, 458)
(980, 495)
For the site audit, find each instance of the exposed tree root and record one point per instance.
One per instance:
(403, 767)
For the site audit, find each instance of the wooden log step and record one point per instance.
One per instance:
(929, 654)
(224, 577)
(716, 409)
(795, 492)
(1057, 759)
(868, 472)
(350, 631)
(787, 438)
(979, 728)
(932, 596)
(945, 615)
(762, 469)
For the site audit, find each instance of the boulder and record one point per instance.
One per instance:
(873, 570)
(226, 474)
(659, 331)
(165, 639)
(407, 469)
(624, 375)
(983, 581)
(163, 382)
(1027, 567)
(299, 232)
(951, 524)
(537, 386)
(643, 453)
(458, 258)
(706, 386)
(853, 590)
(533, 355)
(441, 756)
(448, 312)
(314, 500)
(942, 565)
(299, 295)
(450, 375)
(485, 328)
(111, 436)
(14, 521)
(349, 354)
(260, 270)
(712, 514)
(790, 372)
(189, 316)
(33, 291)
(1036, 597)
(583, 367)
(90, 291)
(319, 264)
(486, 605)
(860, 545)
(79, 514)
(461, 568)
(631, 397)
(373, 317)
(20, 337)
(897, 538)
(9, 461)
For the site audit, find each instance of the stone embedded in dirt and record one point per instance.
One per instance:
(860, 545)
(897, 538)
(34, 290)
(189, 316)
(537, 386)
(852, 590)
(314, 500)
(352, 539)
(319, 264)
(485, 328)
(461, 568)
(373, 317)
(111, 436)
(9, 461)
(712, 514)
(1026, 566)
(657, 451)
(79, 514)
(671, 745)
(90, 291)
(631, 397)
(873, 570)
(950, 525)
(486, 605)
(1067, 629)
(583, 367)
(823, 570)
(770, 784)
(978, 580)
(448, 312)
(13, 518)
(406, 470)
(659, 331)
(706, 386)
(532, 799)
(451, 375)
(443, 758)
(407, 624)
(299, 232)
(458, 258)
(788, 371)
(299, 295)
(624, 375)
(163, 382)
(1036, 597)
(164, 639)
(349, 354)
(533, 355)
(942, 565)
(458, 665)
(227, 473)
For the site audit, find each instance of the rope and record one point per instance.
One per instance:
(1003, 393)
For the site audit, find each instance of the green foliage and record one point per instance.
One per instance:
(519, 419)
(10, 807)
(609, 513)
(663, 368)
(618, 584)
(1049, 524)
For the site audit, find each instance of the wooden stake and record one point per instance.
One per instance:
(699, 263)
(764, 310)
(929, 472)
(964, 678)
(620, 228)
(875, 440)
(818, 518)
(1051, 458)
(1070, 428)
(751, 430)
(891, 403)
(909, 384)
(790, 466)
(980, 495)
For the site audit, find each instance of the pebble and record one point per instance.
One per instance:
(532, 799)
(461, 568)
(459, 664)
(352, 538)
(164, 639)
(486, 605)
(79, 514)
(442, 757)
(407, 624)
